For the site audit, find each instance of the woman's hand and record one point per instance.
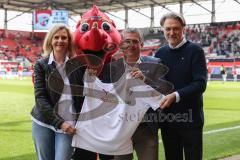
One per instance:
(68, 128)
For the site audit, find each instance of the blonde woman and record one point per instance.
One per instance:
(52, 127)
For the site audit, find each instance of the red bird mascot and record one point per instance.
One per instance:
(97, 39)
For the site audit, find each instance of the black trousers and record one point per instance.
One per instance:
(81, 154)
(179, 143)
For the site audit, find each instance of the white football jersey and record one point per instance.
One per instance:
(111, 112)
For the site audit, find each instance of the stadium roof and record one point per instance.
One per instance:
(80, 6)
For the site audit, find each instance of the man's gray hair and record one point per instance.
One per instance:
(132, 30)
(175, 16)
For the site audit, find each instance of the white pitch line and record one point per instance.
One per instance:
(215, 131)
(221, 130)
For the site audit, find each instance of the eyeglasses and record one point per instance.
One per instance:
(130, 42)
(127, 43)
(134, 41)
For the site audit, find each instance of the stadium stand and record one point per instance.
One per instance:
(17, 44)
(220, 41)
(19, 47)
(217, 38)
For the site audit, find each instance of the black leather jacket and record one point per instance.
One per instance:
(48, 87)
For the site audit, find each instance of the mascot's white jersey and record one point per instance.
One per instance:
(111, 112)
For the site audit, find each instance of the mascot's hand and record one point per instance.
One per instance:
(92, 72)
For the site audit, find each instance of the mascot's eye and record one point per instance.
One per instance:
(84, 27)
(106, 26)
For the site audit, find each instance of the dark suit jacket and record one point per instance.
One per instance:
(154, 73)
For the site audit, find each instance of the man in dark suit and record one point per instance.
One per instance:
(149, 69)
(183, 128)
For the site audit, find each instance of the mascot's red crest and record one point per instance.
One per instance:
(96, 34)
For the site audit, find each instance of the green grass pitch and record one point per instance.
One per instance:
(221, 105)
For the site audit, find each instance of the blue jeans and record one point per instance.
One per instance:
(50, 145)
